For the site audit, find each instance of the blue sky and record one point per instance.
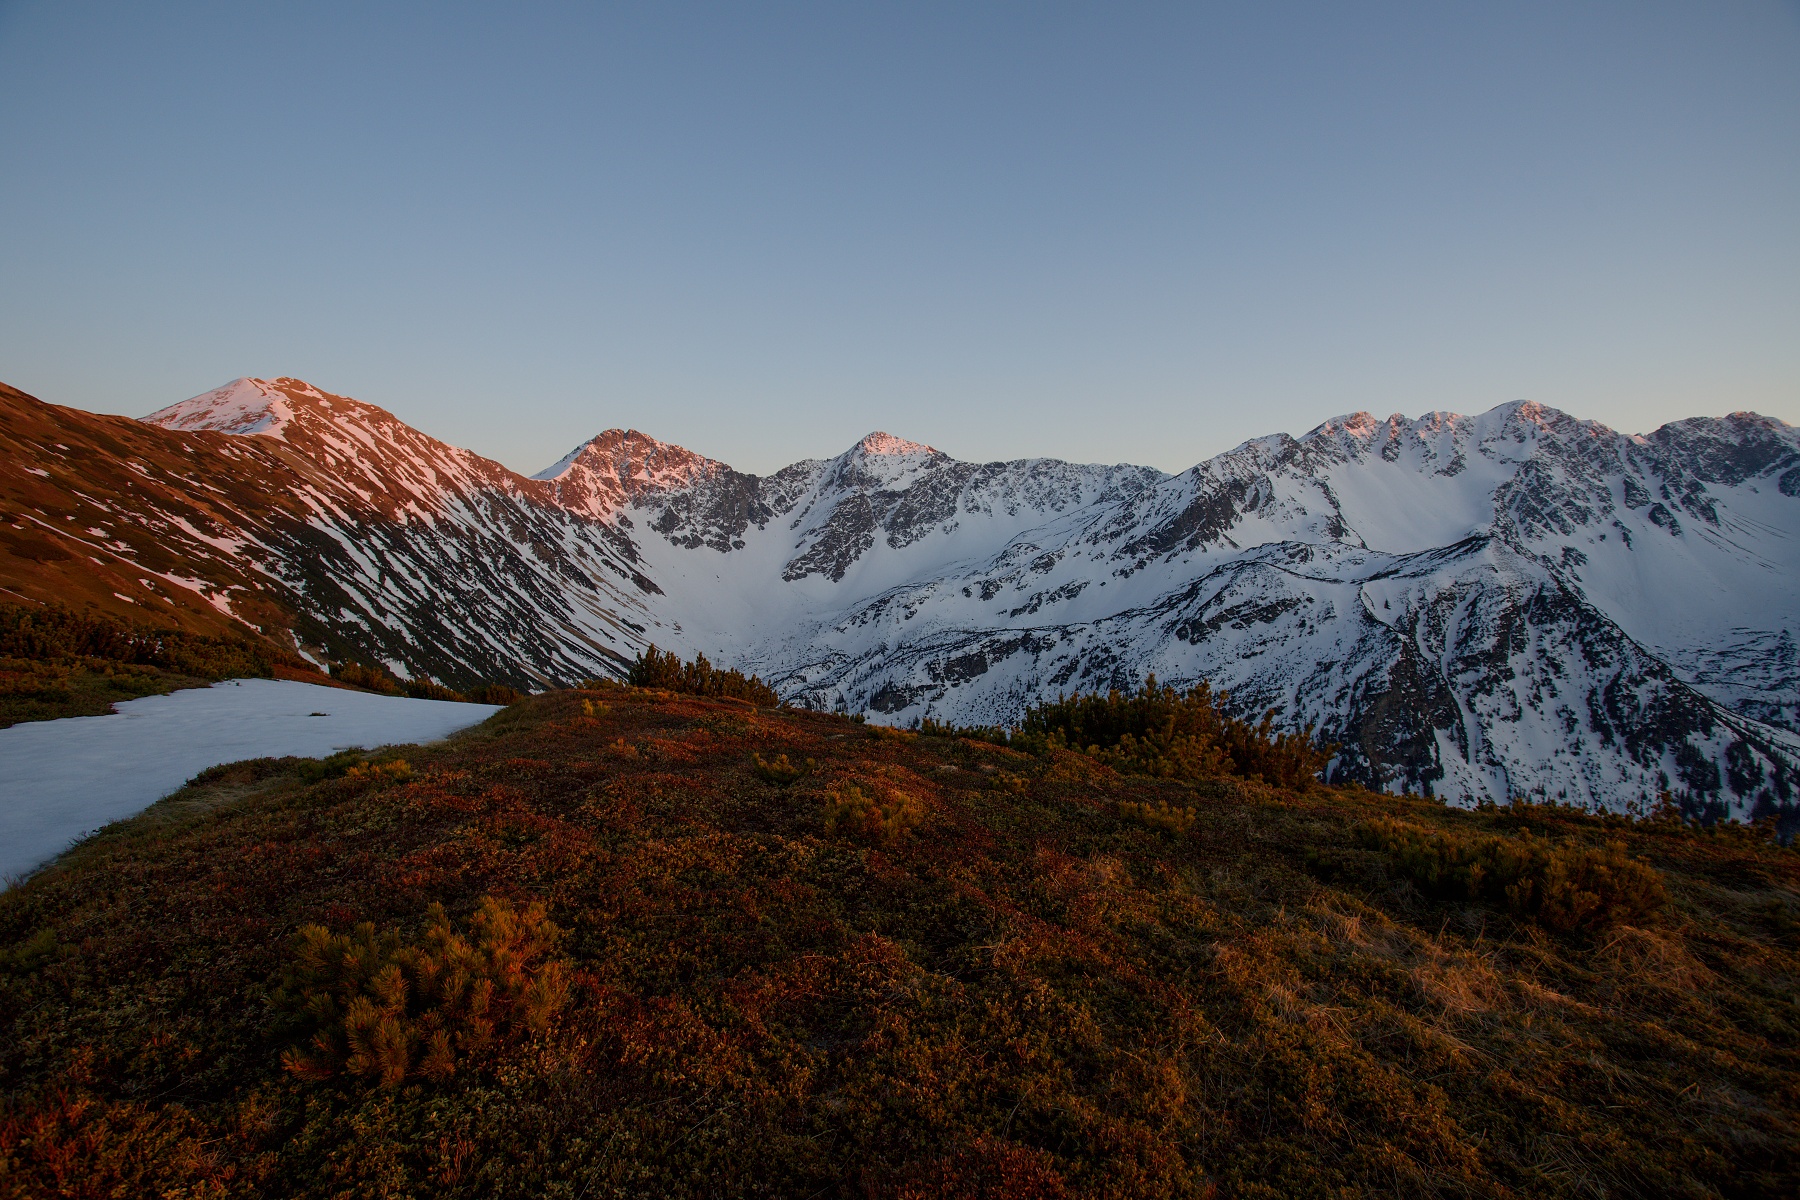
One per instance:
(1107, 232)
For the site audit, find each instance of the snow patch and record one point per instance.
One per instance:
(66, 778)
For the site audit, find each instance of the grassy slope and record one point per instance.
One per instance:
(57, 662)
(41, 691)
(36, 690)
(1030, 995)
(69, 472)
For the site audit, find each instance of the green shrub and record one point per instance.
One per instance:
(1008, 782)
(1160, 731)
(883, 817)
(1159, 815)
(254, 770)
(780, 772)
(424, 688)
(665, 670)
(1561, 887)
(51, 632)
(495, 693)
(391, 1010)
(315, 770)
(995, 734)
(382, 774)
(353, 765)
(374, 679)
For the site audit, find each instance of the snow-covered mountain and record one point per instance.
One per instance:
(1515, 603)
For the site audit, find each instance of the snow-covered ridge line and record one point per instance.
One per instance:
(1511, 602)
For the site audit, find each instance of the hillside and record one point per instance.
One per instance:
(320, 522)
(911, 966)
(1512, 604)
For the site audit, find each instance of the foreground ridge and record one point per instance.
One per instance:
(727, 949)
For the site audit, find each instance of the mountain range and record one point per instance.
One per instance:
(1518, 603)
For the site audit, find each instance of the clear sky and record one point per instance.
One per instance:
(1105, 232)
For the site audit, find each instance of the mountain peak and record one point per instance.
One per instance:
(621, 466)
(262, 406)
(884, 445)
(627, 455)
(243, 406)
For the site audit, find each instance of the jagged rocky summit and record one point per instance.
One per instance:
(1518, 603)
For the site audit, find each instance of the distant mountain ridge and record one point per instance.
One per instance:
(1513, 603)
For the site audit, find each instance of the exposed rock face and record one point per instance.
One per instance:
(1516, 603)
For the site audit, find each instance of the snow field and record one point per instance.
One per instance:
(61, 780)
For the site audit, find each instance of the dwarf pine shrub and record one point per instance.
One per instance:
(334, 766)
(665, 670)
(1562, 887)
(389, 1010)
(882, 817)
(424, 687)
(381, 774)
(495, 693)
(52, 632)
(361, 675)
(1162, 732)
(1160, 815)
(1008, 782)
(995, 734)
(780, 771)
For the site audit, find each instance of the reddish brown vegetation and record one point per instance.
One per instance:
(1076, 983)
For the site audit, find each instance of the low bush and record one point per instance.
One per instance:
(882, 817)
(382, 774)
(425, 688)
(353, 765)
(422, 687)
(1008, 782)
(335, 766)
(387, 1009)
(374, 679)
(780, 772)
(1561, 887)
(665, 670)
(1163, 732)
(495, 693)
(995, 734)
(31, 690)
(51, 632)
(1159, 814)
(254, 770)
